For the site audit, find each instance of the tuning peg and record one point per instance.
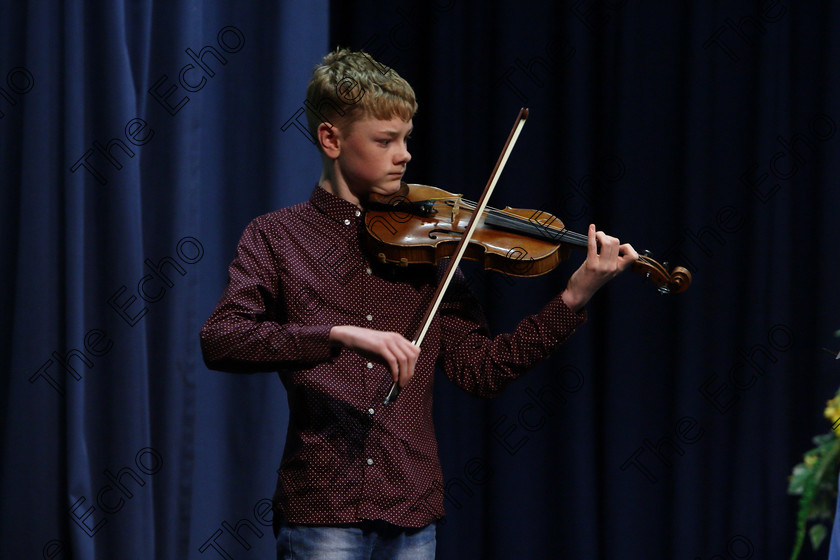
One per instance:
(646, 253)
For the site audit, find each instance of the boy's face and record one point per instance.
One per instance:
(373, 154)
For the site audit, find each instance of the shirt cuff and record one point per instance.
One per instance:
(560, 321)
(313, 343)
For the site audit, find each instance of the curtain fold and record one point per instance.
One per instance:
(126, 182)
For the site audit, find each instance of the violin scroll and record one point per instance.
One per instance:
(669, 282)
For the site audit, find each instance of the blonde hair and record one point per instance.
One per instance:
(349, 86)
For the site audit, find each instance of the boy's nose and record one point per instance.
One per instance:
(405, 157)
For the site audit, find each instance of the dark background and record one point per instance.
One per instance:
(703, 131)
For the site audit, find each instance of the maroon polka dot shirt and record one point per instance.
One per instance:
(298, 272)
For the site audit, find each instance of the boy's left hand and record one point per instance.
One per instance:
(600, 267)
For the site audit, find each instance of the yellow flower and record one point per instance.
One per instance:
(832, 412)
(832, 404)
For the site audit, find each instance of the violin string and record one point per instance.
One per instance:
(515, 220)
(558, 234)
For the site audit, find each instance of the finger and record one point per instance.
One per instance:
(389, 357)
(609, 247)
(629, 252)
(412, 352)
(402, 360)
(399, 350)
(394, 366)
(392, 359)
(615, 249)
(592, 249)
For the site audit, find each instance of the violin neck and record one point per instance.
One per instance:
(532, 227)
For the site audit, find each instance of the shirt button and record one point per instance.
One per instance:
(346, 222)
(369, 317)
(370, 411)
(358, 213)
(368, 270)
(370, 461)
(370, 365)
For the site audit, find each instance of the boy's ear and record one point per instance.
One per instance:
(328, 139)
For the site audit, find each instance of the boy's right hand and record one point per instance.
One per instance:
(390, 347)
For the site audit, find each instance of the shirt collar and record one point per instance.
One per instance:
(333, 206)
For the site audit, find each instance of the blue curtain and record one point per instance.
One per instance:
(137, 139)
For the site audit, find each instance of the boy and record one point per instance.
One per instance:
(359, 478)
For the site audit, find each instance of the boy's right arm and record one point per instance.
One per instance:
(244, 333)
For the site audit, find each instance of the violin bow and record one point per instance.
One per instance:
(465, 239)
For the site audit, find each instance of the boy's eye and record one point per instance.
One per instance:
(387, 141)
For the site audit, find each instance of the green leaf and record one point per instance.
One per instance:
(798, 479)
(817, 534)
(809, 493)
(824, 439)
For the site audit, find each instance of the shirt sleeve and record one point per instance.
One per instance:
(483, 365)
(247, 332)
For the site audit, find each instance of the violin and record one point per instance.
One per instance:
(423, 224)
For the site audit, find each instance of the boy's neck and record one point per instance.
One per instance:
(339, 189)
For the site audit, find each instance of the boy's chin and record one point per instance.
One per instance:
(388, 187)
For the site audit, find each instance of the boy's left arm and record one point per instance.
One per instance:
(484, 365)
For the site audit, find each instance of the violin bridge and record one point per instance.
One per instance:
(454, 210)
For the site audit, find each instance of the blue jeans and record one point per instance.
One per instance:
(369, 540)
